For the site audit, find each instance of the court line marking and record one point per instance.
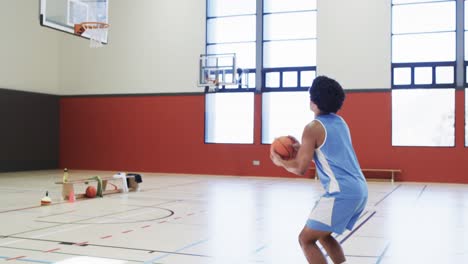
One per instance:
(388, 194)
(422, 191)
(383, 254)
(106, 246)
(357, 228)
(77, 222)
(177, 251)
(62, 253)
(63, 230)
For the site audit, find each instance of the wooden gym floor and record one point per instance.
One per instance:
(219, 219)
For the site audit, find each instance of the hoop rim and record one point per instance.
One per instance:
(80, 28)
(91, 25)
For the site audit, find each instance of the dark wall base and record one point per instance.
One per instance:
(29, 131)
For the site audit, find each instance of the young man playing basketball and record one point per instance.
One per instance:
(327, 140)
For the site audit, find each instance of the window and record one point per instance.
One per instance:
(423, 72)
(288, 41)
(229, 113)
(229, 118)
(419, 119)
(289, 66)
(285, 114)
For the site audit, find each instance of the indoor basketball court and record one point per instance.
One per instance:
(143, 131)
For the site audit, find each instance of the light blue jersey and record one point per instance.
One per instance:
(336, 162)
(345, 195)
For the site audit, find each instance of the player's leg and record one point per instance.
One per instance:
(308, 240)
(333, 248)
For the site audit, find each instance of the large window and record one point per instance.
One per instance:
(423, 72)
(231, 28)
(287, 41)
(289, 66)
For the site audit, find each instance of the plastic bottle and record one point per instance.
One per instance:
(65, 175)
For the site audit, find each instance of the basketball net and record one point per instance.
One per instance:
(97, 32)
(96, 35)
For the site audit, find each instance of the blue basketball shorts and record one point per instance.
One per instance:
(335, 214)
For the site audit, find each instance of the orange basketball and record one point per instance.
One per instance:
(283, 146)
(91, 192)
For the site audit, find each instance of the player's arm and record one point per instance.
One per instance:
(301, 163)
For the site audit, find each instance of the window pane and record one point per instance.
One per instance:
(272, 79)
(423, 117)
(290, 26)
(420, 18)
(229, 7)
(307, 77)
(229, 118)
(285, 113)
(424, 47)
(290, 79)
(423, 75)
(401, 76)
(466, 16)
(290, 53)
(466, 43)
(445, 75)
(290, 5)
(231, 29)
(245, 53)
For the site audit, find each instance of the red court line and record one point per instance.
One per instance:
(162, 222)
(177, 217)
(81, 243)
(104, 237)
(190, 214)
(145, 226)
(127, 231)
(19, 257)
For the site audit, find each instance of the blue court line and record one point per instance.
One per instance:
(383, 254)
(177, 251)
(27, 260)
(357, 228)
(260, 249)
(35, 261)
(388, 194)
(419, 196)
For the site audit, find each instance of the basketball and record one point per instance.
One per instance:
(283, 146)
(91, 192)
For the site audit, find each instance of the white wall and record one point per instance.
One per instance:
(354, 42)
(28, 51)
(153, 48)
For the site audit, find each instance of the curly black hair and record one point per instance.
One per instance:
(327, 94)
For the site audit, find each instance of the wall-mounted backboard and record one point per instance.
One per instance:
(64, 14)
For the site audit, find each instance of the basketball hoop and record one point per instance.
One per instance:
(97, 32)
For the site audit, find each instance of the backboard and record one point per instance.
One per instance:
(217, 70)
(63, 15)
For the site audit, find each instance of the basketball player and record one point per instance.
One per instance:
(327, 140)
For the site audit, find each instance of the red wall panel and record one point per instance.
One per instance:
(166, 134)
